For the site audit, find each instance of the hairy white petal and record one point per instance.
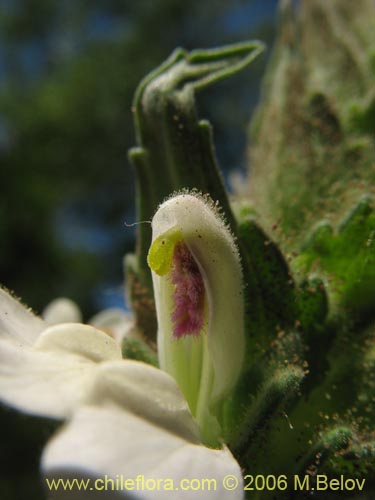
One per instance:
(78, 339)
(54, 376)
(146, 391)
(142, 432)
(41, 383)
(17, 322)
(127, 417)
(216, 254)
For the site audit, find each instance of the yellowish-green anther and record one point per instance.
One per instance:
(161, 251)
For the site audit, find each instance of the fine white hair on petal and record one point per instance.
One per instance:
(17, 322)
(62, 310)
(216, 254)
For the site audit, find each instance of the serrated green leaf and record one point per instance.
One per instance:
(346, 258)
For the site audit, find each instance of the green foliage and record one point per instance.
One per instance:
(175, 149)
(270, 285)
(137, 349)
(306, 398)
(347, 259)
(312, 139)
(312, 184)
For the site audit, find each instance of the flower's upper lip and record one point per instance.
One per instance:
(214, 249)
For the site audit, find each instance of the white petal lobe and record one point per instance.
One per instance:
(16, 322)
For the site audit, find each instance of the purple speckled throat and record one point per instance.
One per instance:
(189, 293)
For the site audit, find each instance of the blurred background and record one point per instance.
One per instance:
(68, 72)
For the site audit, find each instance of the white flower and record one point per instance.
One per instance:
(198, 289)
(123, 417)
(114, 321)
(136, 423)
(46, 370)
